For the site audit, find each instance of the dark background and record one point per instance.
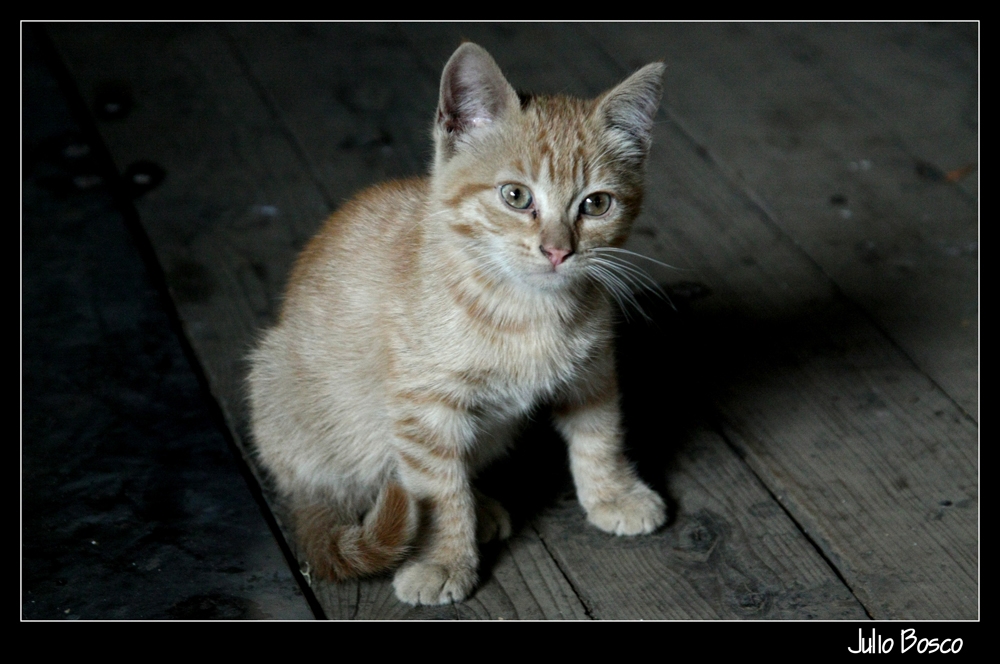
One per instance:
(133, 505)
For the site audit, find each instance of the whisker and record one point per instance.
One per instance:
(638, 255)
(603, 278)
(633, 280)
(618, 287)
(645, 281)
(636, 272)
(638, 277)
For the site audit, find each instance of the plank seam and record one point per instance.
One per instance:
(848, 94)
(812, 542)
(555, 561)
(357, 602)
(272, 107)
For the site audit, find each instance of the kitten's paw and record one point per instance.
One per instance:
(492, 520)
(419, 582)
(635, 512)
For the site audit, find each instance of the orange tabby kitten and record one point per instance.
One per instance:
(429, 316)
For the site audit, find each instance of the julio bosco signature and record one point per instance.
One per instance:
(909, 641)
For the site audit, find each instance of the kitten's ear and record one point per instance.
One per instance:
(474, 95)
(628, 110)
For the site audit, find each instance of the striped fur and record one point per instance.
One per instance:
(429, 316)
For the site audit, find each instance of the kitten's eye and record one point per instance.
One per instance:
(596, 204)
(517, 196)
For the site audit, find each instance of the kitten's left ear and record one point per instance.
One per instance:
(628, 110)
(474, 95)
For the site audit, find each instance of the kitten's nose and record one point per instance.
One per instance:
(555, 255)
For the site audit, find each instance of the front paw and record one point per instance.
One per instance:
(637, 511)
(420, 582)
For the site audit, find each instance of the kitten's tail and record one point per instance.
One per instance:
(336, 551)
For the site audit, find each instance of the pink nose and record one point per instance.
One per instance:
(555, 256)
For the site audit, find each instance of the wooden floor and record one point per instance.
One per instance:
(810, 408)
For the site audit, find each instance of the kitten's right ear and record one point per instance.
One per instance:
(474, 95)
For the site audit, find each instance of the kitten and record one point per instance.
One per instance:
(429, 316)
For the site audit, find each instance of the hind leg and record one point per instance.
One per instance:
(492, 519)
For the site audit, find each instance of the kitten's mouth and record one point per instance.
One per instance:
(552, 276)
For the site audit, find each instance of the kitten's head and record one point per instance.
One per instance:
(535, 186)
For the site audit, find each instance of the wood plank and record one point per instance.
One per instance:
(843, 132)
(238, 201)
(234, 189)
(730, 553)
(804, 383)
(919, 79)
(868, 454)
(362, 117)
